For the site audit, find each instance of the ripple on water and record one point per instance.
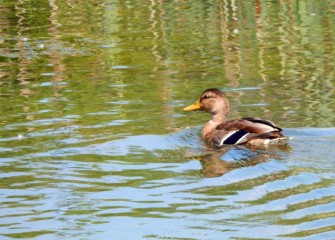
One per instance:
(158, 187)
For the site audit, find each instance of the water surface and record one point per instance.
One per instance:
(94, 143)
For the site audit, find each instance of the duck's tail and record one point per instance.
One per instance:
(280, 141)
(277, 141)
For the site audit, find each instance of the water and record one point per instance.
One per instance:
(93, 142)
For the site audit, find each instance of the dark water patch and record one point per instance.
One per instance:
(29, 234)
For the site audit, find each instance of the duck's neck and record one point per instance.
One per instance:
(217, 119)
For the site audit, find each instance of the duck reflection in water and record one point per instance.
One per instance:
(217, 162)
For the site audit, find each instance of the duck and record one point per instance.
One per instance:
(219, 131)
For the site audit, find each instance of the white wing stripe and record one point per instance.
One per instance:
(227, 136)
(242, 139)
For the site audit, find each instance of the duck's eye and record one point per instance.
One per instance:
(206, 96)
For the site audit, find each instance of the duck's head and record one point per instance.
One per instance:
(212, 101)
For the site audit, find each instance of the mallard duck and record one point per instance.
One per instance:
(219, 131)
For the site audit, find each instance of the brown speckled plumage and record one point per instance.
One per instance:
(219, 131)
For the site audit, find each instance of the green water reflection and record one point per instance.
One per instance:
(93, 142)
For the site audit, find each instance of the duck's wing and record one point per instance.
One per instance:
(241, 131)
(262, 122)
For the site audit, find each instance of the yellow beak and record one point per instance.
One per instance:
(194, 106)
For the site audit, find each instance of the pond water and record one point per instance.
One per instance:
(94, 143)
